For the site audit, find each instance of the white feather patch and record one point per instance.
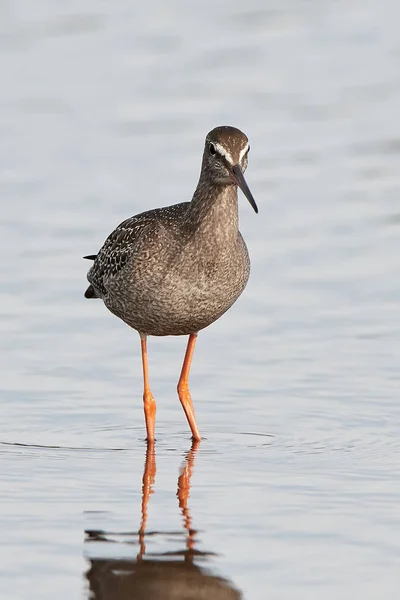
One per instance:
(223, 152)
(243, 152)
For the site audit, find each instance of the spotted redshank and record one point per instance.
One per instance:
(177, 269)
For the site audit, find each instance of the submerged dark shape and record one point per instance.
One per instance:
(175, 270)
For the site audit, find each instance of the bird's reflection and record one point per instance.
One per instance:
(166, 576)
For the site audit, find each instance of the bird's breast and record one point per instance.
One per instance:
(186, 293)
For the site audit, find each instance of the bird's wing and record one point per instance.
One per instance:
(116, 250)
(120, 244)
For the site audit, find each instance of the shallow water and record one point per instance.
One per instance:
(294, 491)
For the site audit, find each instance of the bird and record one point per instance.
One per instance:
(177, 269)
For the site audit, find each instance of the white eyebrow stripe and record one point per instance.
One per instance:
(223, 152)
(243, 152)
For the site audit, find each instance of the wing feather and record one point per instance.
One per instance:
(121, 243)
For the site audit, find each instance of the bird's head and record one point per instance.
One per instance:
(225, 159)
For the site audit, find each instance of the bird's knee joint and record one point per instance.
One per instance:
(182, 387)
(149, 401)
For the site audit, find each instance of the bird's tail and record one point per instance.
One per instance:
(91, 292)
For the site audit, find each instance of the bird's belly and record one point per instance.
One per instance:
(178, 305)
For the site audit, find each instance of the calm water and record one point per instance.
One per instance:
(295, 490)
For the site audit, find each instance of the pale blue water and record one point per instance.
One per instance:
(103, 109)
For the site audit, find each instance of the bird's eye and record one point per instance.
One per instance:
(212, 149)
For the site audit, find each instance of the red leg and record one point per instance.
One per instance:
(149, 403)
(183, 388)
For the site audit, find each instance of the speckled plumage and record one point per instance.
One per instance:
(175, 270)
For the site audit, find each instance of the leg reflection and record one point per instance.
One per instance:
(149, 476)
(183, 495)
(157, 576)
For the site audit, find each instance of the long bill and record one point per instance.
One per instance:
(236, 174)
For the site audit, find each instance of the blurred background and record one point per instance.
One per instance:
(295, 489)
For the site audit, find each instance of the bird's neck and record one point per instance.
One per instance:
(213, 211)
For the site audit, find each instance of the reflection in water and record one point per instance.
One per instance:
(166, 576)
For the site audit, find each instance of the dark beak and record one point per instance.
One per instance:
(236, 174)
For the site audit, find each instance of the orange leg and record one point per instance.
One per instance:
(149, 403)
(183, 388)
